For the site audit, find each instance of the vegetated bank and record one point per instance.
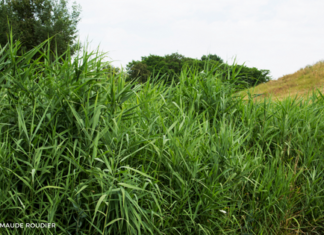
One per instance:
(299, 84)
(190, 158)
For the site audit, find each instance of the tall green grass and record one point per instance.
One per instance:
(96, 156)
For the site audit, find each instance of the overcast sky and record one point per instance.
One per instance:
(280, 35)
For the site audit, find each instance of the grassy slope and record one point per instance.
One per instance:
(300, 83)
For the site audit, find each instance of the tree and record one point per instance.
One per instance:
(34, 21)
(170, 66)
(166, 67)
(212, 57)
(155, 64)
(254, 76)
(175, 62)
(138, 69)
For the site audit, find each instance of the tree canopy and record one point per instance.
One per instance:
(212, 57)
(169, 67)
(137, 69)
(34, 21)
(166, 67)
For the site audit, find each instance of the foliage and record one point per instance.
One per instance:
(34, 21)
(166, 68)
(138, 69)
(212, 57)
(254, 76)
(96, 156)
(169, 67)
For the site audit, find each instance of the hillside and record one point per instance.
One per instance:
(300, 83)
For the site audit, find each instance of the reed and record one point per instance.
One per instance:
(95, 155)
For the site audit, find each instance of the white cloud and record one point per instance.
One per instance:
(280, 35)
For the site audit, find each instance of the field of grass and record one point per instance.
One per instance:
(95, 155)
(299, 84)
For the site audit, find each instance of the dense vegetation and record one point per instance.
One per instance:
(34, 21)
(168, 68)
(95, 156)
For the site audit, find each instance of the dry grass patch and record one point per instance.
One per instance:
(300, 84)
